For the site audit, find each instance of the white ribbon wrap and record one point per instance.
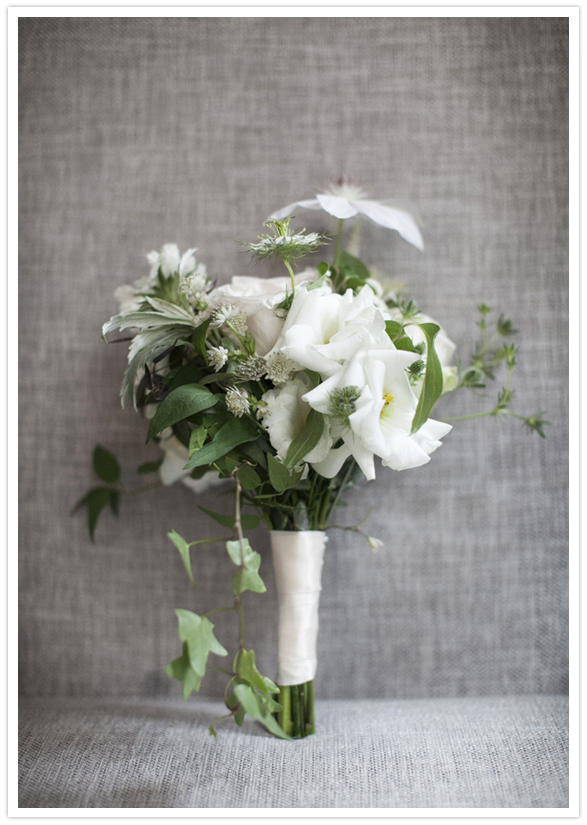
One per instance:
(297, 561)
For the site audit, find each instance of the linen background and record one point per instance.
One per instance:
(139, 131)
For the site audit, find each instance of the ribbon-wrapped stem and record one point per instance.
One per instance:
(297, 561)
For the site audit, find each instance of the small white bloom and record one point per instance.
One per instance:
(232, 315)
(237, 401)
(374, 543)
(218, 356)
(127, 298)
(279, 368)
(170, 261)
(345, 200)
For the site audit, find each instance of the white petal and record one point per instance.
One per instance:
(333, 462)
(392, 218)
(289, 210)
(339, 207)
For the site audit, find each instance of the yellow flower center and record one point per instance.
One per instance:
(387, 401)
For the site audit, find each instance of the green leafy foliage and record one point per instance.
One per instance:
(182, 670)
(397, 333)
(184, 552)
(244, 665)
(278, 474)
(106, 465)
(199, 339)
(306, 440)
(96, 500)
(196, 632)
(432, 382)
(248, 521)
(234, 432)
(180, 404)
(249, 561)
(256, 705)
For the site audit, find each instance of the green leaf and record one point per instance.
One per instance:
(306, 440)
(234, 432)
(197, 632)
(199, 339)
(432, 382)
(247, 670)
(184, 552)
(248, 522)
(182, 670)
(353, 266)
(256, 705)
(96, 500)
(106, 465)
(197, 439)
(254, 451)
(249, 578)
(188, 374)
(399, 337)
(184, 401)
(278, 474)
(150, 466)
(323, 268)
(248, 477)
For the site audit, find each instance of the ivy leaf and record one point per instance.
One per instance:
(248, 522)
(352, 266)
(150, 466)
(278, 474)
(249, 578)
(96, 500)
(306, 440)
(432, 383)
(106, 465)
(234, 432)
(256, 705)
(182, 670)
(247, 670)
(184, 552)
(184, 401)
(197, 632)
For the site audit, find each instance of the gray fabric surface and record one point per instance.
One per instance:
(485, 752)
(138, 131)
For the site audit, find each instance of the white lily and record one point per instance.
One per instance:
(345, 200)
(377, 419)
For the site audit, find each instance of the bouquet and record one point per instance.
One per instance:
(289, 388)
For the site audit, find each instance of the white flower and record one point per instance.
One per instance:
(379, 420)
(237, 401)
(444, 347)
(218, 357)
(323, 328)
(279, 368)
(176, 457)
(169, 260)
(257, 298)
(374, 543)
(284, 418)
(128, 300)
(344, 200)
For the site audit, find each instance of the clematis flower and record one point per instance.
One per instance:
(373, 404)
(345, 200)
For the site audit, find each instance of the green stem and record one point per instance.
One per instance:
(291, 274)
(338, 241)
(296, 717)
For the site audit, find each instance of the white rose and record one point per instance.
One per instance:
(375, 393)
(257, 298)
(172, 468)
(285, 416)
(323, 329)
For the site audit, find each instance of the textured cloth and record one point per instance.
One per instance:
(139, 131)
(489, 752)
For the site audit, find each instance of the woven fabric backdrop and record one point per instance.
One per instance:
(140, 131)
